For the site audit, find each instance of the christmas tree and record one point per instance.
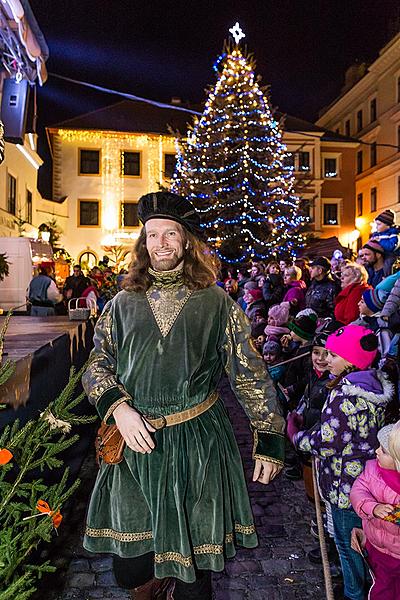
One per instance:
(232, 167)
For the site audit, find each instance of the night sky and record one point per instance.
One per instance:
(159, 49)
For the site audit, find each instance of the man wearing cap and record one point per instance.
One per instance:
(177, 504)
(321, 294)
(373, 254)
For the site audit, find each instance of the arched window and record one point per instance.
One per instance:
(87, 260)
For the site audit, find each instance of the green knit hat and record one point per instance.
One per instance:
(304, 326)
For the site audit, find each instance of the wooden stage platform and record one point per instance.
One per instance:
(40, 345)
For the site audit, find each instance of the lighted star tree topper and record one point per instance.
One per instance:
(232, 167)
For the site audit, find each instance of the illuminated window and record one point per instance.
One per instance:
(304, 161)
(372, 110)
(11, 194)
(359, 120)
(330, 167)
(130, 164)
(169, 165)
(359, 162)
(374, 198)
(373, 154)
(129, 214)
(28, 216)
(359, 205)
(88, 213)
(89, 162)
(331, 216)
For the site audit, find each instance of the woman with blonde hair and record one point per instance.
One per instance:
(375, 497)
(353, 279)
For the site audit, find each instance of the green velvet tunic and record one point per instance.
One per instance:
(163, 352)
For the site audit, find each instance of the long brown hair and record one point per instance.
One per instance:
(200, 266)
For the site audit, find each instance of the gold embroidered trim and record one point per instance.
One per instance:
(229, 538)
(185, 561)
(245, 529)
(261, 456)
(113, 407)
(208, 549)
(120, 536)
(166, 306)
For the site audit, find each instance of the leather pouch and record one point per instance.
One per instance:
(109, 444)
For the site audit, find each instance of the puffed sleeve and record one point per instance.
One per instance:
(253, 388)
(100, 380)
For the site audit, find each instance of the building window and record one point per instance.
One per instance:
(289, 161)
(28, 216)
(88, 213)
(374, 198)
(11, 194)
(359, 162)
(129, 214)
(169, 165)
(347, 127)
(373, 154)
(130, 164)
(372, 110)
(359, 205)
(398, 89)
(330, 167)
(304, 161)
(337, 130)
(87, 260)
(89, 162)
(398, 138)
(331, 216)
(359, 120)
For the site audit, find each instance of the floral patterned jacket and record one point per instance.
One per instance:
(346, 437)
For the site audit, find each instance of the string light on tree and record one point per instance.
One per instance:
(235, 167)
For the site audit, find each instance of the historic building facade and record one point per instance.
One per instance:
(369, 110)
(105, 160)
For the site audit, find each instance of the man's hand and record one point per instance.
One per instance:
(265, 471)
(134, 429)
(285, 340)
(382, 510)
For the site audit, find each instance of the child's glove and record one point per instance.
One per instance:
(294, 424)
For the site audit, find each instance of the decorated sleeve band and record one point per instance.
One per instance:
(100, 380)
(269, 446)
(248, 375)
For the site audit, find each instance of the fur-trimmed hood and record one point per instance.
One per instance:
(372, 385)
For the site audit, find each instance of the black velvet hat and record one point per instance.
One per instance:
(166, 205)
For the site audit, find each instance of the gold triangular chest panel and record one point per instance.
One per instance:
(166, 304)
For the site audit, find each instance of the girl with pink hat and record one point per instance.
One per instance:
(346, 437)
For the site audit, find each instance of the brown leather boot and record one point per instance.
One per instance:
(155, 589)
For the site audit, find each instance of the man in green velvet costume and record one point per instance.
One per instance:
(177, 505)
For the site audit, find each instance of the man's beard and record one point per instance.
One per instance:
(165, 264)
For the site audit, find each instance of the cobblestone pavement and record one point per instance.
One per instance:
(277, 570)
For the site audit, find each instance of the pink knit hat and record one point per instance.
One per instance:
(279, 314)
(356, 344)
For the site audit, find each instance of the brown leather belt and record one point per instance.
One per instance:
(184, 415)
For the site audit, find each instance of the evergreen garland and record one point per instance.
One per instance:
(30, 509)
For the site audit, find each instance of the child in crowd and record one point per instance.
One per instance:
(272, 358)
(297, 346)
(371, 303)
(387, 234)
(278, 317)
(346, 437)
(375, 495)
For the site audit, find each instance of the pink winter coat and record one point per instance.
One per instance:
(368, 490)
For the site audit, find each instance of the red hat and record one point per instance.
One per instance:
(256, 294)
(374, 246)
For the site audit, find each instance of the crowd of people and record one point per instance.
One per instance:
(93, 290)
(328, 333)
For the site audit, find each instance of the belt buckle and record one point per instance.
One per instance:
(157, 416)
